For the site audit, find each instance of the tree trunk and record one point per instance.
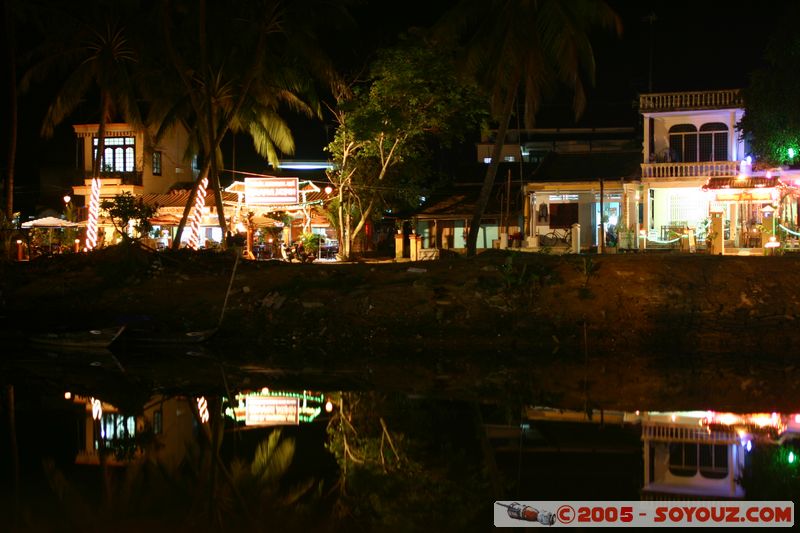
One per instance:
(14, 451)
(491, 172)
(12, 119)
(176, 243)
(218, 197)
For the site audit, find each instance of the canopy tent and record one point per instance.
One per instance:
(49, 222)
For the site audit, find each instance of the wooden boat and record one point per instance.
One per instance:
(91, 338)
(161, 337)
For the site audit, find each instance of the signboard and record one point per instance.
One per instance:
(271, 191)
(273, 408)
(271, 411)
(744, 196)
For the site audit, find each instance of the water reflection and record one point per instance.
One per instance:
(187, 440)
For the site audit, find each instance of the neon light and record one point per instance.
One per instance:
(197, 214)
(787, 230)
(97, 408)
(94, 211)
(202, 408)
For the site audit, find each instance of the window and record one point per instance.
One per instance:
(687, 145)
(713, 142)
(687, 458)
(118, 154)
(682, 143)
(683, 458)
(563, 216)
(156, 163)
(714, 461)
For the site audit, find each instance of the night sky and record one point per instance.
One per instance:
(695, 45)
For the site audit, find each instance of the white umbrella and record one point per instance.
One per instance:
(49, 222)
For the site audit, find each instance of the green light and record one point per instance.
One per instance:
(791, 153)
(791, 458)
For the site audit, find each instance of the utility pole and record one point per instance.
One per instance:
(651, 18)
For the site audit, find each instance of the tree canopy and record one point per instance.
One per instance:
(771, 122)
(527, 50)
(412, 98)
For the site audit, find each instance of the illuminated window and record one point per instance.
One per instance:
(156, 163)
(118, 154)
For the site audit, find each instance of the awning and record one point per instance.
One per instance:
(49, 222)
(165, 220)
(753, 182)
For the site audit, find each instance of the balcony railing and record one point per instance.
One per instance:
(126, 178)
(690, 170)
(690, 100)
(670, 433)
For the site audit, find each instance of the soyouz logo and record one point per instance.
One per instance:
(644, 514)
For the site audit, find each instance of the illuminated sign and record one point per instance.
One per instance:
(744, 196)
(271, 191)
(271, 411)
(273, 408)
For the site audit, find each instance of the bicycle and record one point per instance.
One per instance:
(556, 237)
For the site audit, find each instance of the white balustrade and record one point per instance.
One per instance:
(691, 100)
(690, 170)
(671, 433)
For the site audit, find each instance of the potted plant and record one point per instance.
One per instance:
(625, 237)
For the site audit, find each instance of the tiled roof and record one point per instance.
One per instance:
(753, 182)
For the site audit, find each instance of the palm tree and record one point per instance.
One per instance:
(98, 55)
(239, 78)
(12, 101)
(532, 46)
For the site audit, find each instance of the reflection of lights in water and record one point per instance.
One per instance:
(97, 408)
(202, 408)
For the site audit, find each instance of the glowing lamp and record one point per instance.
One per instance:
(328, 406)
(328, 189)
(790, 152)
(67, 395)
(67, 198)
(791, 458)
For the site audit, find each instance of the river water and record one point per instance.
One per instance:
(99, 439)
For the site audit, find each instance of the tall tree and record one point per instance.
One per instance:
(532, 47)
(771, 121)
(238, 69)
(92, 46)
(411, 97)
(11, 65)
